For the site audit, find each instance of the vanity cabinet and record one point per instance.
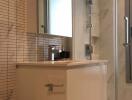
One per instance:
(62, 81)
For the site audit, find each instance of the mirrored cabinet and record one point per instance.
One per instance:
(55, 17)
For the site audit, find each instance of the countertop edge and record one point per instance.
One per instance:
(62, 65)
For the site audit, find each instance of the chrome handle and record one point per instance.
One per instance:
(54, 85)
(51, 86)
(127, 30)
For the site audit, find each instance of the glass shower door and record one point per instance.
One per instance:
(124, 52)
(128, 40)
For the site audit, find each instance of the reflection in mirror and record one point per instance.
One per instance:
(55, 17)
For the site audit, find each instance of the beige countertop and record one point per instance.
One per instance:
(68, 64)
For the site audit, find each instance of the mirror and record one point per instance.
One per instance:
(55, 17)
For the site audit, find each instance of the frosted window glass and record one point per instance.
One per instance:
(60, 17)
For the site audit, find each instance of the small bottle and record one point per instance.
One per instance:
(53, 55)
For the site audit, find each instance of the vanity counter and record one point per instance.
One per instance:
(87, 77)
(66, 64)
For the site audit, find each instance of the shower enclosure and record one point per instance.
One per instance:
(124, 68)
(128, 40)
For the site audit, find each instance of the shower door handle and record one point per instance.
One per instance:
(127, 31)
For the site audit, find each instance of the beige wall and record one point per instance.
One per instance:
(95, 20)
(32, 16)
(79, 30)
(106, 42)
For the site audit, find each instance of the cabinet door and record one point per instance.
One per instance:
(55, 77)
(31, 84)
(87, 83)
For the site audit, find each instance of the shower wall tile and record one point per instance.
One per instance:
(95, 7)
(81, 33)
(95, 28)
(95, 25)
(106, 40)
